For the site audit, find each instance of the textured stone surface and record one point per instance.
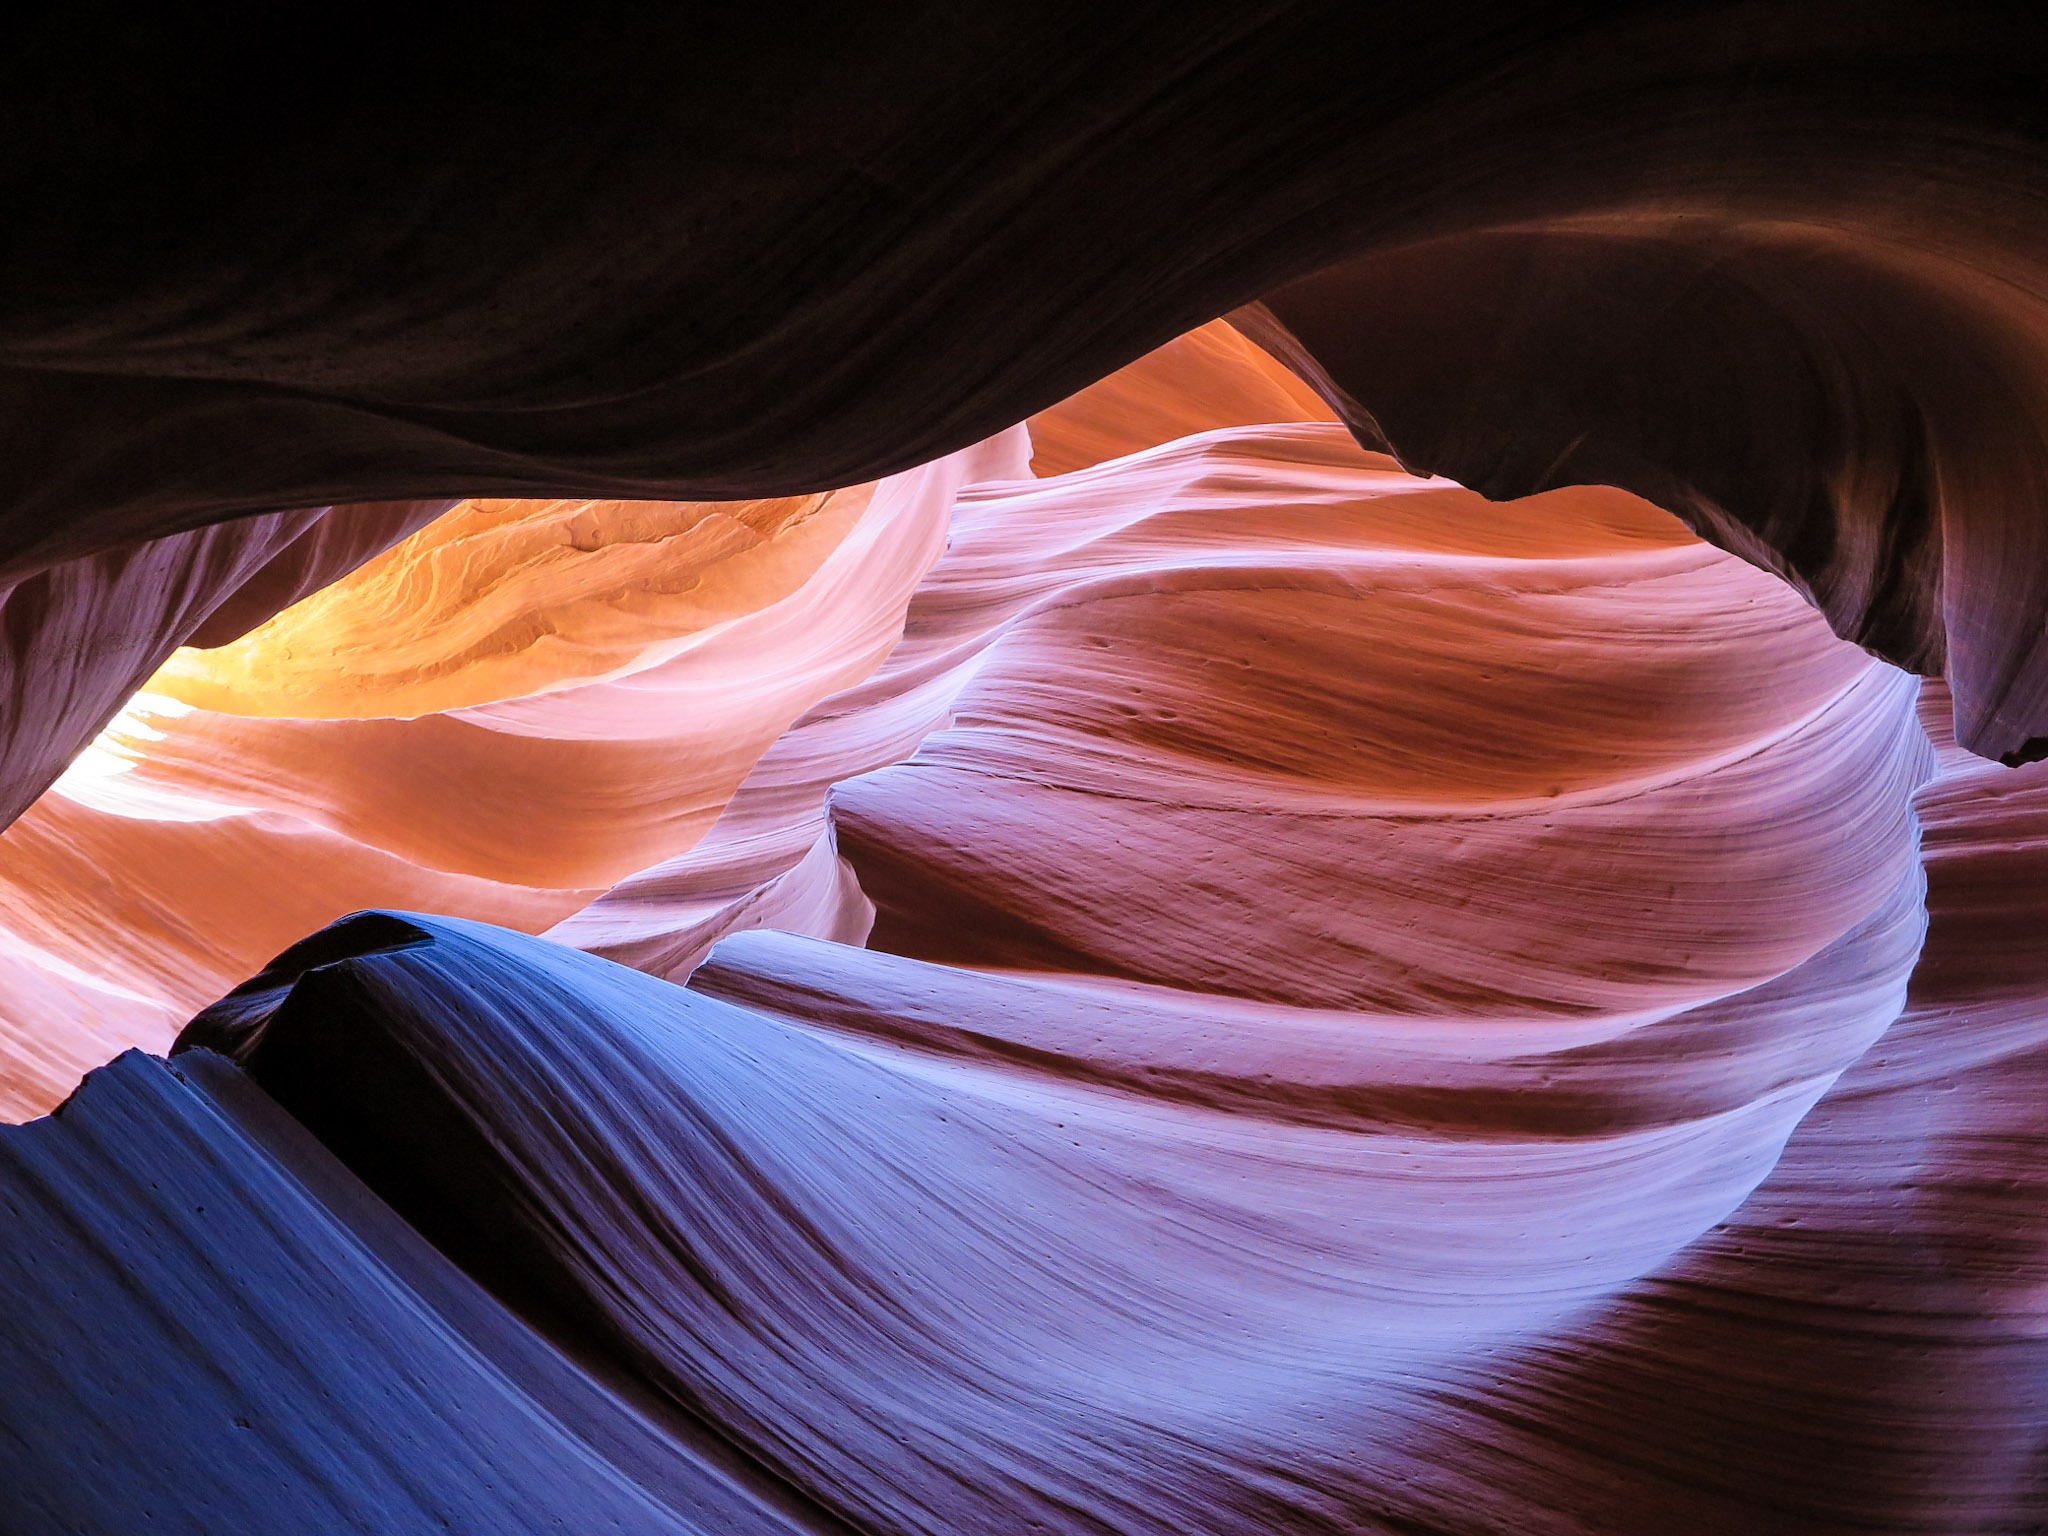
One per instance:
(1344, 919)
(1778, 269)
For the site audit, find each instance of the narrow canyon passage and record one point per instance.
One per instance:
(1223, 958)
(1025, 769)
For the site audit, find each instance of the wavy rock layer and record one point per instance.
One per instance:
(1259, 650)
(1349, 964)
(78, 637)
(772, 859)
(1090, 1301)
(1779, 271)
(1862, 1344)
(958, 1275)
(1214, 376)
(499, 717)
(1381, 1011)
(519, 703)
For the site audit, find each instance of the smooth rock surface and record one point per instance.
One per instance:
(1778, 269)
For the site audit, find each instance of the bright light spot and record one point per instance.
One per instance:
(109, 754)
(96, 774)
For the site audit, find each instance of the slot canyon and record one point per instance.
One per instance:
(1025, 768)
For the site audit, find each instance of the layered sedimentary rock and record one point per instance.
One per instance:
(986, 1249)
(1860, 1346)
(499, 718)
(1780, 271)
(518, 704)
(1347, 968)
(80, 636)
(1289, 953)
(1215, 376)
(772, 857)
(1260, 648)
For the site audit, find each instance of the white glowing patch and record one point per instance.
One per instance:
(96, 776)
(107, 754)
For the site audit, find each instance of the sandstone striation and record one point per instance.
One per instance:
(1183, 770)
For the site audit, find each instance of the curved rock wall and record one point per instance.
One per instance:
(498, 717)
(1279, 950)
(1267, 1002)
(1777, 270)
(78, 637)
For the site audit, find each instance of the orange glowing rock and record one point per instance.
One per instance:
(504, 599)
(1211, 377)
(500, 717)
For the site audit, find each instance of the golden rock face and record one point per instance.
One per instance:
(810, 856)
(1450, 912)
(504, 599)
